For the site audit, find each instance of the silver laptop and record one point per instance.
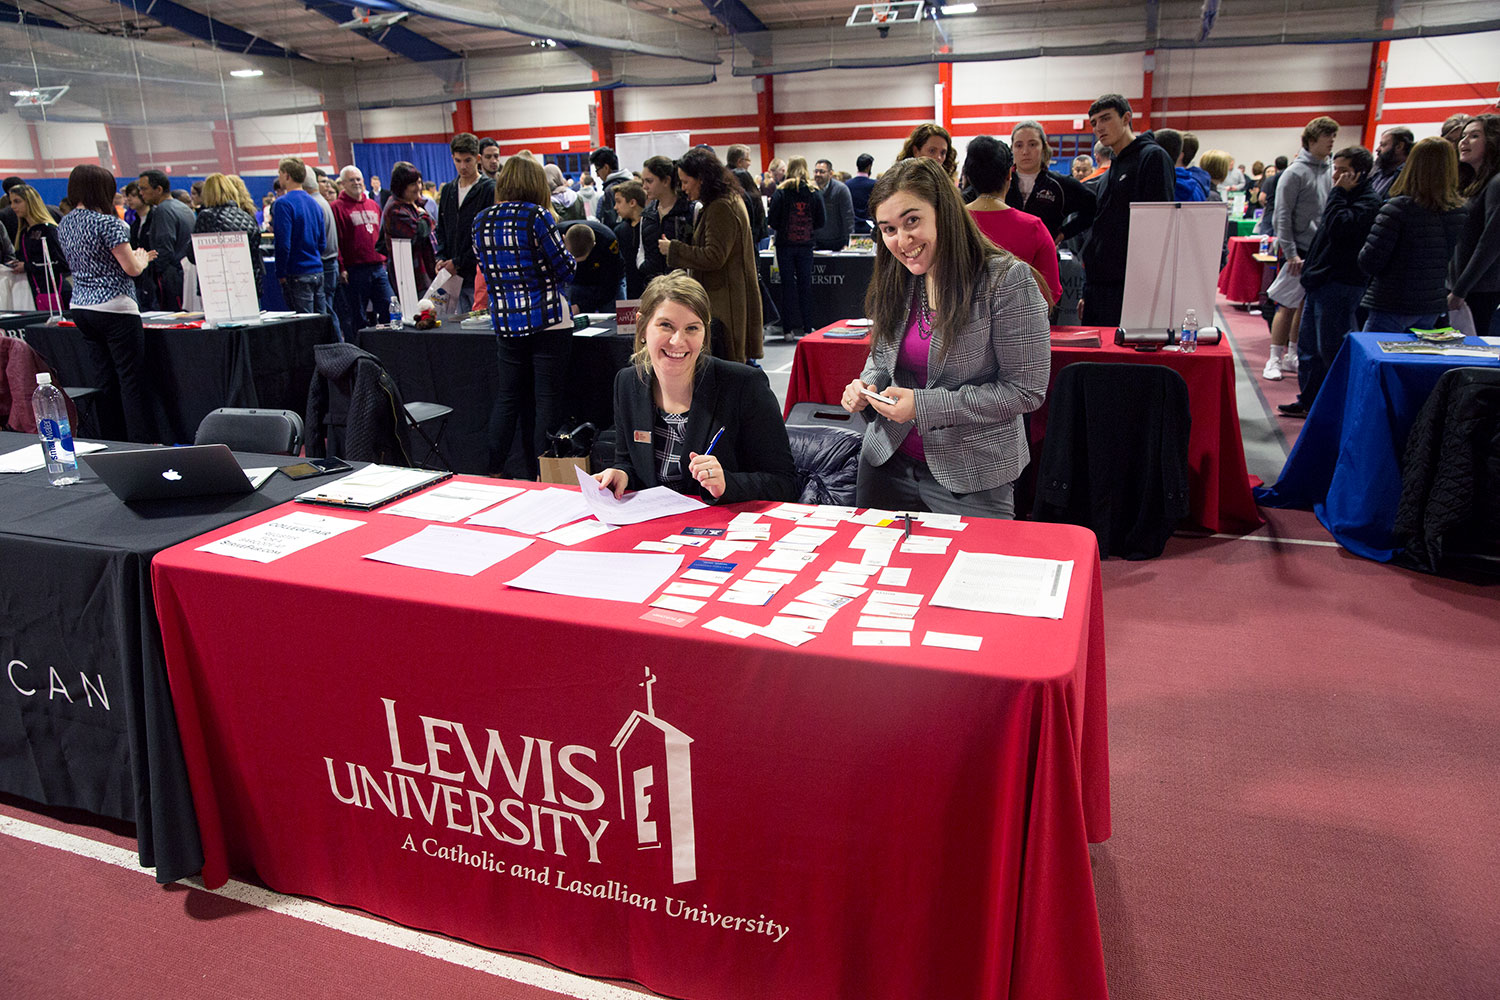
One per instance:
(170, 473)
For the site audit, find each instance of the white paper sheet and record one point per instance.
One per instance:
(895, 576)
(804, 610)
(680, 589)
(452, 501)
(881, 639)
(1011, 585)
(534, 512)
(607, 576)
(769, 576)
(226, 279)
(800, 624)
(633, 508)
(289, 533)
(450, 550)
(578, 531)
(888, 624)
(787, 559)
(30, 458)
(732, 626)
(951, 640)
(877, 610)
(895, 597)
(671, 602)
(657, 546)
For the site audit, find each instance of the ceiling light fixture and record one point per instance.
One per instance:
(246, 74)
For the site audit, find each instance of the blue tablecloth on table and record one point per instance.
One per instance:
(1346, 464)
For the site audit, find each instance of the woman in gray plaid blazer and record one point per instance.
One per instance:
(960, 351)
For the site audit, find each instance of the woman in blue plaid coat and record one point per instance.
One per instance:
(525, 269)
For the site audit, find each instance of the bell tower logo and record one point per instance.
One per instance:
(654, 760)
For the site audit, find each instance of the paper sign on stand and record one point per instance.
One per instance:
(406, 277)
(226, 281)
(626, 312)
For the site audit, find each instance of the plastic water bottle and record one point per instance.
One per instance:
(51, 409)
(1265, 245)
(1188, 342)
(395, 312)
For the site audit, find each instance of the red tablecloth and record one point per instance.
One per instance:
(1220, 483)
(828, 821)
(1240, 280)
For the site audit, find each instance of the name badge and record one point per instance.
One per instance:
(642, 437)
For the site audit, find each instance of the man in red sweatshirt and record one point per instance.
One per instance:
(357, 217)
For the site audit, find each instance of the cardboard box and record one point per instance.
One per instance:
(560, 470)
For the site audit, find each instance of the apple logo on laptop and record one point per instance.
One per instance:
(172, 475)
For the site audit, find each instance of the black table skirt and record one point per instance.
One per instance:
(198, 371)
(86, 717)
(458, 368)
(839, 285)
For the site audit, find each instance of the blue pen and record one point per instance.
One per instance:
(715, 441)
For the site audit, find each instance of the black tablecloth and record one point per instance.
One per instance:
(14, 324)
(198, 371)
(458, 368)
(86, 717)
(839, 282)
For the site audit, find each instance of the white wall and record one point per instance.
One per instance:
(1432, 78)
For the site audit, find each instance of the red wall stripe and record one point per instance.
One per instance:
(678, 124)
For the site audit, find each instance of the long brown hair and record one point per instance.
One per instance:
(959, 259)
(523, 179)
(918, 139)
(1430, 177)
(1475, 180)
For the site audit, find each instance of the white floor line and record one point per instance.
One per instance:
(1278, 541)
(441, 948)
(783, 369)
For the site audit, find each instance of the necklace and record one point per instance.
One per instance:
(924, 311)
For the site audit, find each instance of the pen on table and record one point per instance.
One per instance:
(710, 449)
(908, 525)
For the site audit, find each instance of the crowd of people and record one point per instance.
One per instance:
(965, 280)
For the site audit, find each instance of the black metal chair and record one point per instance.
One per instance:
(85, 399)
(355, 411)
(268, 432)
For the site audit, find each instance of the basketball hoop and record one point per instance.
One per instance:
(884, 15)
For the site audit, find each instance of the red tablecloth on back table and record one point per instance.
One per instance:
(1218, 479)
(1240, 280)
(819, 822)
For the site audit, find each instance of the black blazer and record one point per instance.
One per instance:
(754, 450)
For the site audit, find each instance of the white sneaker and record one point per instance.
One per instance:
(1289, 362)
(1272, 370)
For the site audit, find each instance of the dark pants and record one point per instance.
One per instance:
(331, 294)
(536, 361)
(1483, 305)
(796, 264)
(1102, 303)
(303, 292)
(128, 409)
(368, 286)
(904, 483)
(1327, 315)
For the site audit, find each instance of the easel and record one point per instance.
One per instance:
(1171, 266)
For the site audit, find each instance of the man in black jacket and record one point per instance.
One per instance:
(1141, 171)
(1331, 275)
(458, 203)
